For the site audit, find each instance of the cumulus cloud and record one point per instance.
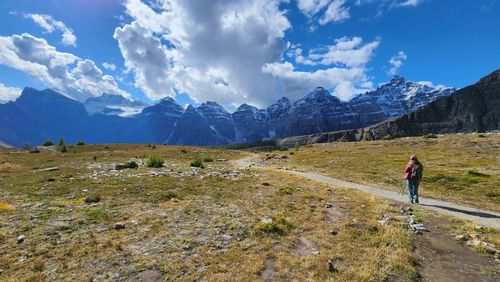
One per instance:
(346, 51)
(396, 63)
(49, 24)
(63, 71)
(109, 66)
(211, 50)
(8, 93)
(233, 52)
(325, 10)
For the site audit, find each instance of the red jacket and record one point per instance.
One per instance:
(408, 168)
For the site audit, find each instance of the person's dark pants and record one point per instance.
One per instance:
(412, 190)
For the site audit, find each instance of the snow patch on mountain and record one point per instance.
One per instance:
(108, 104)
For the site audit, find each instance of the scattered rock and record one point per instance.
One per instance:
(151, 275)
(328, 206)
(164, 215)
(337, 265)
(334, 232)
(220, 160)
(50, 179)
(266, 184)
(479, 228)
(462, 237)
(119, 226)
(48, 169)
(92, 199)
(20, 239)
(417, 228)
(266, 220)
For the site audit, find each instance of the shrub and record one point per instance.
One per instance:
(429, 135)
(481, 135)
(94, 158)
(184, 151)
(208, 159)
(197, 163)
(80, 143)
(61, 142)
(155, 161)
(131, 164)
(48, 143)
(34, 150)
(277, 226)
(284, 191)
(92, 199)
(63, 149)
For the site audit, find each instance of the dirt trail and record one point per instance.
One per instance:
(478, 216)
(439, 256)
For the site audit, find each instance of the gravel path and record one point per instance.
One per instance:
(478, 216)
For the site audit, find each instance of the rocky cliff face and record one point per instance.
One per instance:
(251, 124)
(470, 109)
(317, 112)
(161, 118)
(192, 128)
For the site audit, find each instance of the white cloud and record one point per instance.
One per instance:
(109, 66)
(336, 12)
(396, 63)
(212, 50)
(37, 58)
(411, 3)
(232, 52)
(50, 25)
(346, 51)
(8, 93)
(325, 10)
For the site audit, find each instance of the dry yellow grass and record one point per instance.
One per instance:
(460, 168)
(186, 223)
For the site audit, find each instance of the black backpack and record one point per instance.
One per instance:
(416, 171)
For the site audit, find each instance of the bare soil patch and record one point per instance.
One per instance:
(441, 258)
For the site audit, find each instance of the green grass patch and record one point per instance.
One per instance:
(197, 163)
(155, 161)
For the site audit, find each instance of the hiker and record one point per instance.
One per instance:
(413, 175)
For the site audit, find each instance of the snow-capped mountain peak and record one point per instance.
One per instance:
(109, 104)
(400, 96)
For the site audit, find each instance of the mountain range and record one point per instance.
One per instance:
(40, 115)
(475, 108)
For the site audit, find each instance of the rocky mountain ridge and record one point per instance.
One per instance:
(39, 115)
(475, 108)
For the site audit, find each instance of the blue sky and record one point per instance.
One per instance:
(242, 51)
